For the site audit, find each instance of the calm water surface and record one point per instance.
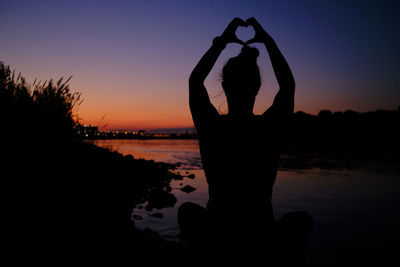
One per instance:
(351, 208)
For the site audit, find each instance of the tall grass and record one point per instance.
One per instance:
(39, 110)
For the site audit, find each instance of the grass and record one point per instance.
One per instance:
(65, 201)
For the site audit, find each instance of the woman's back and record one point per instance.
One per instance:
(240, 150)
(240, 158)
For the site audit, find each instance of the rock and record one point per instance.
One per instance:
(160, 199)
(137, 217)
(157, 215)
(129, 157)
(188, 189)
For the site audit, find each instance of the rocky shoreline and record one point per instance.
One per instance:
(72, 206)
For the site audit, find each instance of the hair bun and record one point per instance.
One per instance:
(250, 53)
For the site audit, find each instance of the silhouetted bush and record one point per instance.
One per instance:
(41, 113)
(365, 134)
(64, 200)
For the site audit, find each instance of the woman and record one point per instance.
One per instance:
(239, 150)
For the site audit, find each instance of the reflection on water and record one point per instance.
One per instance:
(351, 208)
(185, 152)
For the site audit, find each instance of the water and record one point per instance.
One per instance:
(352, 208)
(185, 152)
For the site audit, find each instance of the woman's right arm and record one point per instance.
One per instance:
(199, 101)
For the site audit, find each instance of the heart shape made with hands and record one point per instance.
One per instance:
(245, 33)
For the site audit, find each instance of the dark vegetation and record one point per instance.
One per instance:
(65, 202)
(341, 139)
(41, 111)
(343, 132)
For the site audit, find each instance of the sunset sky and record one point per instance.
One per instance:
(131, 59)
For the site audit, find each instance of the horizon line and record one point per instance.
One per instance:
(133, 129)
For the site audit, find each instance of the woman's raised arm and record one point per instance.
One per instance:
(284, 100)
(199, 100)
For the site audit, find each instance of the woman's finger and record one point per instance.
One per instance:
(251, 41)
(254, 23)
(237, 22)
(233, 25)
(251, 22)
(237, 40)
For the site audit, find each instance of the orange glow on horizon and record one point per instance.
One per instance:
(135, 118)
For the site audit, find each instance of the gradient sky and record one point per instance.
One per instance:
(131, 59)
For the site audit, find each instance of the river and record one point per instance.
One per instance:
(352, 208)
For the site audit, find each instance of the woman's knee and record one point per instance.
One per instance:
(190, 210)
(191, 220)
(295, 226)
(296, 219)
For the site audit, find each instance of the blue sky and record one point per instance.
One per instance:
(131, 59)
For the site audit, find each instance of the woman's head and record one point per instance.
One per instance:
(241, 79)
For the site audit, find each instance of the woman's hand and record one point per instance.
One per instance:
(229, 35)
(261, 35)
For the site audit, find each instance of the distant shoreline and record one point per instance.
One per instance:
(91, 132)
(145, 137)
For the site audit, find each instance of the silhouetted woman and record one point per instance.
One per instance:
(239, 150)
